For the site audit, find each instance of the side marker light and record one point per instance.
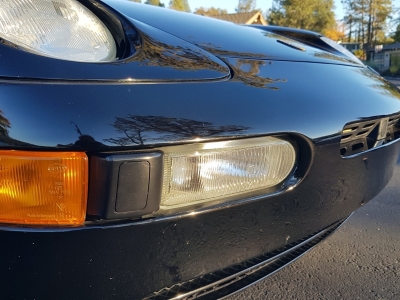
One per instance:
(43, 187)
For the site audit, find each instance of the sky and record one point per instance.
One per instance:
(230, 5)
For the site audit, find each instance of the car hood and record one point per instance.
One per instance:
(170, 46)
(225, 39)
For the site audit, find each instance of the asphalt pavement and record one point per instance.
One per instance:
(361, 260)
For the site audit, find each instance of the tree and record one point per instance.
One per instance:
(246, 6)
(138, 1)
(181, 5)
(155, 3)
(335, 34)
(366, 20)
(315, 15)
(137, 130)
(360, 53)
(396, 34)
(248, 72)
(210, 11)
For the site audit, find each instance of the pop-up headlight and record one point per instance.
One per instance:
(63, 29)
(212, 171)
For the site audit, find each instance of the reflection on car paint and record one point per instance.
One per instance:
(248, 72)
(139, 130)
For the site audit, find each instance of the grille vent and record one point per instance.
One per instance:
(361, 136)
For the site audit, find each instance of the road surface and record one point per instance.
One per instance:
(359, 261)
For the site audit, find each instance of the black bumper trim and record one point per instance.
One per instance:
(235, 278)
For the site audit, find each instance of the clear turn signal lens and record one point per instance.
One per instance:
(63, 29)
(43, 187)
(210, 171)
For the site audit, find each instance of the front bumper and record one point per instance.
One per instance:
(132, 260)
(237, 277)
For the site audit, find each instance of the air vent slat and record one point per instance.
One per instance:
(362, 136)
(351, 129)
(368, 126)
(362, 132)
(393, 121)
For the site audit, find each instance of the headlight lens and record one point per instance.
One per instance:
(63, 29)
(211, 171)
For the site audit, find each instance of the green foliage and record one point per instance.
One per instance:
(138, 1)
(155, 3)
(360, 53)
(246, 6)
(181, 5)
(396, 35)
(366, 20)
(315, 15)
(394, 64)
(210, 11)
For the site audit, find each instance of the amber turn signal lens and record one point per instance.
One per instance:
(43, 187)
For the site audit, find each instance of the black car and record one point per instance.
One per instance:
(149, 153)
